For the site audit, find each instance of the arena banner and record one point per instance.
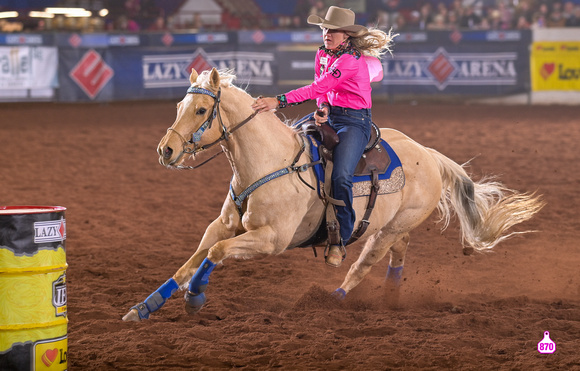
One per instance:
(258, 37)
(165, 73)
(85, 75)
(28, 72)
(165, 39)
(177, 39)
(477, 62)
(130, 73)
(115, 66)
(39, 39)
(296, 63)
(296, 60)
(555, 65)
(474, 62)
(96, 40)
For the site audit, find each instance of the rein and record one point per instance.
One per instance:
(196, 137)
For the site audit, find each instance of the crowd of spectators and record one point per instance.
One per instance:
(400, 15)
(412, 15)
(474, 14)
(122, 15)
(135, 15)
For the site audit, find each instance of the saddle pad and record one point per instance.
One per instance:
(391, 181)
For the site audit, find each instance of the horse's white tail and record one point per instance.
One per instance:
(485, 209)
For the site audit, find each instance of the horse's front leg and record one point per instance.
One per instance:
(218, 230)
(259, 241)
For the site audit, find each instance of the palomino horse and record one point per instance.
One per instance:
(267, 158)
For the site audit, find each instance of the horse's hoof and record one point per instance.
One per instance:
(194, 303)
(394, 276)
(339, 294)
(133, 315)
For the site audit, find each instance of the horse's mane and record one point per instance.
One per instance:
(226, 78)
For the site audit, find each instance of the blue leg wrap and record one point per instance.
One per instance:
(200, 279)
(394, 275)
(157, 299)
(339, 293)
(194, 303)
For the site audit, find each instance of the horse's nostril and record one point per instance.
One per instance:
(167, 153)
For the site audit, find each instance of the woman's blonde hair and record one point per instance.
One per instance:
(373, 42)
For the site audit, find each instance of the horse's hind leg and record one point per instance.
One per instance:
(374, 250)
(398, 251)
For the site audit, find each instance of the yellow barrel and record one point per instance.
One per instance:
(33, 312)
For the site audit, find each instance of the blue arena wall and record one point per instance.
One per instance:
(111, 67)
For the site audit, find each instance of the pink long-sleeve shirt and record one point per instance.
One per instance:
(339, 81)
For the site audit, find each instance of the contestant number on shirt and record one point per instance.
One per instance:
(323, 63)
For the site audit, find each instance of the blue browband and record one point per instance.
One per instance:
(196, 137)
(193, 90)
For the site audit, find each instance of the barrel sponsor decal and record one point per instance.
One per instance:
(50, 231)
(59, 295)
(51, 354)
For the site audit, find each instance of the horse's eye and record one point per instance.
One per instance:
(201, 111)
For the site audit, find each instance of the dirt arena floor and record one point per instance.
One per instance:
(132, 223)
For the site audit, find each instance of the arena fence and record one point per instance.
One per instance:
(103, 67)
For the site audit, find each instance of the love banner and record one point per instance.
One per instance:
(555, 65)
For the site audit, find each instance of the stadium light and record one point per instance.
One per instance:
(63, 10)
(37, 14)
(8, 14)
(70, 12)
(84, 13)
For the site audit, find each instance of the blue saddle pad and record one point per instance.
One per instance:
(395, 165)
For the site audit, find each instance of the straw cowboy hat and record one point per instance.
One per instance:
(338, 19)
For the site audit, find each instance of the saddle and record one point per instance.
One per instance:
(373, 156)
(374, 161)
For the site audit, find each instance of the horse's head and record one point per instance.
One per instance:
(196, 123)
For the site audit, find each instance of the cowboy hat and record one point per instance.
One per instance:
(338, 19)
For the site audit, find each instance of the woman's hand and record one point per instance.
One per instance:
(321, 115)
(265, 104)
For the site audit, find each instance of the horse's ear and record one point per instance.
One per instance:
(215, 78)
(193, 76)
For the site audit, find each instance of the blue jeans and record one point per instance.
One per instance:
(354, 130)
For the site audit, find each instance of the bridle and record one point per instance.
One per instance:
(191, 146)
